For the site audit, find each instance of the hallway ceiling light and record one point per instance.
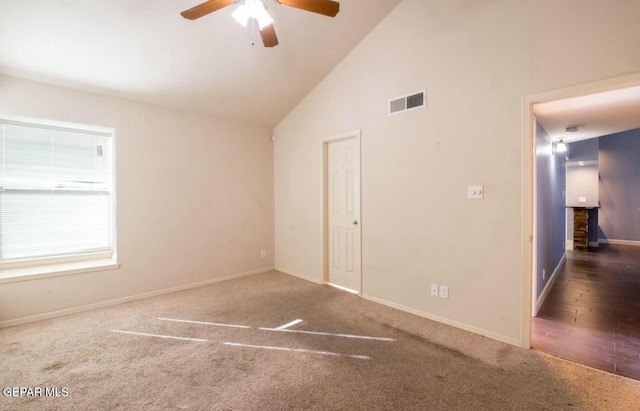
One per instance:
(558, 147)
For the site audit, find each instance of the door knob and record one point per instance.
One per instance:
(355, 222)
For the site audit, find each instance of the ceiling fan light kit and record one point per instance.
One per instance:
(255, 10)
(252, 9)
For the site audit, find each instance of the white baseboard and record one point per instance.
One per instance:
(620, 242)
(433, 317)
(492, 335)
(475, 330)
(548, 286)
(73, 310)
(301, 276)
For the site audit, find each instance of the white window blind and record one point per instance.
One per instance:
(56, 191)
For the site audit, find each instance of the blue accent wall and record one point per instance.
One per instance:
(550, 208)
(619, 189)
(585, 150)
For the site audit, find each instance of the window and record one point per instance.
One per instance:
(56, 192)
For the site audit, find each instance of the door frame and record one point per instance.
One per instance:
(528, 186)
(356, 134)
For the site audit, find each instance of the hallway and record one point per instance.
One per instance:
(592, 313)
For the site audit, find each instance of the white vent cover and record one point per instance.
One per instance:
(407, 103)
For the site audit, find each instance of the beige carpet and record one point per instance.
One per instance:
(420, 365)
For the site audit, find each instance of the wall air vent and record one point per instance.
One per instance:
(407, 103)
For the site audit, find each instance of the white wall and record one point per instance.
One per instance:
(582, 173)
(195, 198)
(582, 184)
(476, 59)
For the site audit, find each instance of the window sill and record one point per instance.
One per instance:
(11, 275)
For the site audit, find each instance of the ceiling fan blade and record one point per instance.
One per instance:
(269, 37)
(324, 7)
(205, 8)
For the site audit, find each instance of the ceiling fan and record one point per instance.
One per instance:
(255, 10)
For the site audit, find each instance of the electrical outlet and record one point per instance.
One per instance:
(263, 254)
(475, 192)
(434, 290)
(444, 292)
(544, 274)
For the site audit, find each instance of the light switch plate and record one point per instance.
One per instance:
(476, 192)
(444, 292)
(582, 199)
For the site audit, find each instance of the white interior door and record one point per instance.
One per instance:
(343, 206)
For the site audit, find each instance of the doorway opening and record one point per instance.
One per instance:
(579, 296)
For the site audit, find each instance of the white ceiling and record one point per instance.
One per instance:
(144, 50)
(595, 115)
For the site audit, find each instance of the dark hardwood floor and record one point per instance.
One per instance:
(592, 313)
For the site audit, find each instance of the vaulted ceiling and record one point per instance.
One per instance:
(144, 50)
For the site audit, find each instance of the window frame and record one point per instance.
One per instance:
(68, 263)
